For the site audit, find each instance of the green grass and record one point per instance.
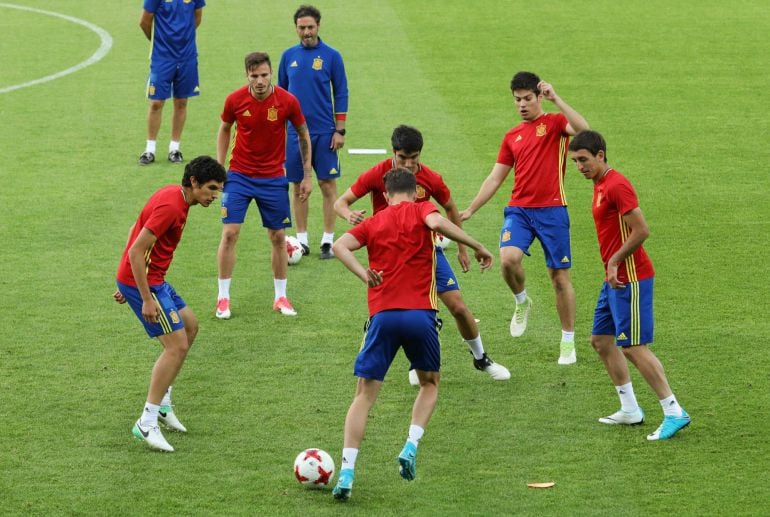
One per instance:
(680, 90)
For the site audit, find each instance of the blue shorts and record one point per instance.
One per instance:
(166, 298)
(326, 162)
(445, 277)
(270, 194)
(416, 331)
(549, 224)
(178, 79)
(625, 313)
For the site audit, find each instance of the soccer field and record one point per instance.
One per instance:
(681, 92)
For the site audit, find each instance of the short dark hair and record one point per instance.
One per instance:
(525, 81)
(400, 180)
(591, 141)
(256, 59)
(307, 10)
(406, 138)
(203, 169)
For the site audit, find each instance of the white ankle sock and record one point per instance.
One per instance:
(280, 287)
(628, 401)
(349, 456)
(150, 147)
(150, 415)
(415, 434)
(521, 297)
(224, 288)
(476, 347)
(670, 406)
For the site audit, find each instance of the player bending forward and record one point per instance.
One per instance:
(403, 306)
(141, 282)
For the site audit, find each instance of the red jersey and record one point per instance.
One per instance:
(401, 246)
(430, 184)
(259, 147)
(164, 215)
(613, 197)
(537, 151)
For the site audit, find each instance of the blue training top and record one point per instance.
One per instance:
(173, 33)
(316, 76)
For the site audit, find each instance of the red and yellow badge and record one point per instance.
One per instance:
(272, 114)
(318, 63)
(541, 130)
(420, 192)
(174, 317)
(506, 236)
(598, 198)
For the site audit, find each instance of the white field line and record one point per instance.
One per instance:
(102, 51)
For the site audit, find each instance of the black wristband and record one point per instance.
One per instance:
(340, 131)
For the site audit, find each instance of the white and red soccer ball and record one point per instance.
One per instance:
(294, 249)
(314, 468)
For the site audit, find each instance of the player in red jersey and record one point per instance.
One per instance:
(403, 304)
(260, 112)
(141, 282)
(407, 145)
(623, 319)
(537, 151)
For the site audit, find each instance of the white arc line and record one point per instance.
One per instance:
(102, 51)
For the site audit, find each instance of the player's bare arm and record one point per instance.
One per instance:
(136, 256)
(223, 141)
(440, 224)
(488, 188)
(198, 17)
(638, 233)
(576, 122)
(342, 208)
(343, 250)
(305, 150)
(145, 22)
(453, 214)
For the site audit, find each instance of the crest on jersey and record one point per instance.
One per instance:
(174, 317)
(318, 63)
(599, 198)
(420, 192)
(506, 236)
(272, 114)
(541, 130)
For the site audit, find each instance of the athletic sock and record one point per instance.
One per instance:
(224, 288)
(328, 238)
(521, 297)
(173, 146)
(166, 398)
(415, 434)
(280, 287)
(476, 347)
(150, 147)
(302, 237)
(628, 401)
(670, 406)
(349, 456)
(150, 415)
(568, 336)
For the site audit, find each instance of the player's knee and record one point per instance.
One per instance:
(156, 105)
(601, 344)
(230, 236)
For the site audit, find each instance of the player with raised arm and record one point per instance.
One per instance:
(403, 307)
(623, 318)
(407, 143)
(141, 282)
(536, 150)
(260, 113)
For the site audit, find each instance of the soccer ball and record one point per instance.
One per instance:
(314, 468)
(294, 249)
(442, 241)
